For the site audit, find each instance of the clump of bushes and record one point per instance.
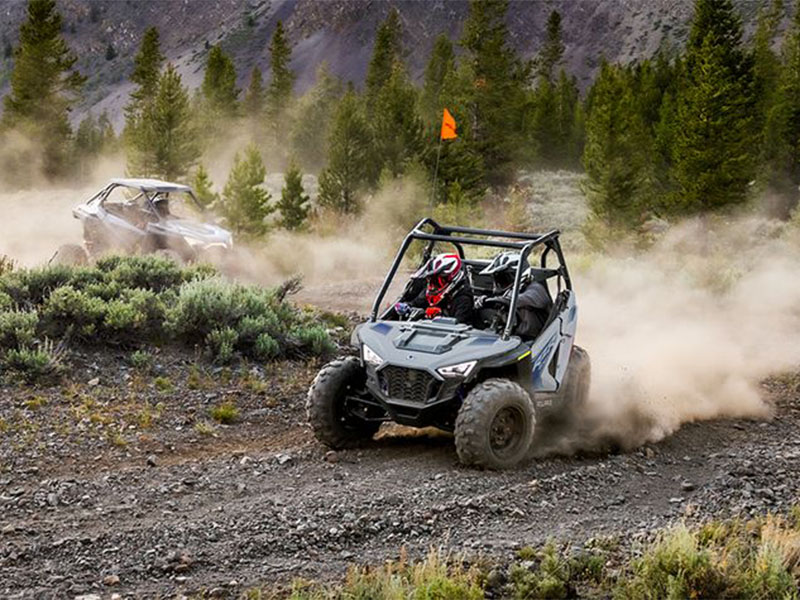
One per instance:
(729, 559)
(759, 558)
(225, 413)
(144, 300)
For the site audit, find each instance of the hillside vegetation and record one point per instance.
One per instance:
(137, 302)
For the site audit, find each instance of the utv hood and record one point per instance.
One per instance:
(192, 231)
(432, 344)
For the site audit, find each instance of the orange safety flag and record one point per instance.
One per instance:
(448, 126)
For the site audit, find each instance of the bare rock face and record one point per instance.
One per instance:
(340, 32)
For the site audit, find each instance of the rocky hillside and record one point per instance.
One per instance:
(106, 33)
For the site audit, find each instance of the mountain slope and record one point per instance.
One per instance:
(337, 31)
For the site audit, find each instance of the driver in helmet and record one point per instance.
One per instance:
(446, 292)
(161, 205)
(534, 301)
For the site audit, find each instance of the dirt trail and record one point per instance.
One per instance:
(265, 506)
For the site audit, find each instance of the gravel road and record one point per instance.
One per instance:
(176, 508)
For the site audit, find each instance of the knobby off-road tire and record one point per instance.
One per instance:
(332, 425)
(577, 379)
(495, 424)
(70, 255)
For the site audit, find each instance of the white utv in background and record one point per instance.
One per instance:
(485, 384)
(145, 216)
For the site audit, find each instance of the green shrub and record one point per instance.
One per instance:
(40, 282)
(314, 340)
(250, 328)
(106, 290)
(17, 328)
(768, 576)
(138, 314)
(675, 567)
(14, 286)
(6, 264)
(266, 347)
(6, 302)
(549, 580)
(70, 310)
(155, 273)
(435, 578)
(163, 384)
(221, 344)
(141, 360)
(225, 413)
(35, 364)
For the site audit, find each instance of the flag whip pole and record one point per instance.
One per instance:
(436, 173)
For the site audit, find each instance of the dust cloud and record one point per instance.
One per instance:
(687, 330)
(683, 331)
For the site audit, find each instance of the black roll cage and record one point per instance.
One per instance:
(524, 242)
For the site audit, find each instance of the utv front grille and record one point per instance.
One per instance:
(412, 385)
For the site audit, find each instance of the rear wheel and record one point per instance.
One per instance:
(495, 425)
(575, 390)
(333, 424)
(70, 254)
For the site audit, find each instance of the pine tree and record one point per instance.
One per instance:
(782, 128)
(442, 63)
(553, 48)
(294, 204)
(713, 151)
(43, 85)
(147, 66)
(499, 84)
(279, 93)
(386, 51)
(202, 186)
(138, 136)
(349, 157)
(553, 121)
(767, 74)
(254, 98)
(314, 117)
(219, 83)
(87, 137)
(398, 131)
(617, 154)
(245, 204)
(167, 122)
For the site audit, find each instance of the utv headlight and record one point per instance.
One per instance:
(370, 356)
(459, 370)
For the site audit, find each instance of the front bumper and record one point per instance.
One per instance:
(414, 397)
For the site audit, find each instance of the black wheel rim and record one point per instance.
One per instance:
(506, 431)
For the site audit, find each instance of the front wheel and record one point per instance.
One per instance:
(71, 255)
(332, 423)
(495, 425)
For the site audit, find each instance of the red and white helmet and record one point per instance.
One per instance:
(443, 273)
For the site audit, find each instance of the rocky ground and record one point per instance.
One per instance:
(120, 482)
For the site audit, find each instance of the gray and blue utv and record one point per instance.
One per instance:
(486, 382)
